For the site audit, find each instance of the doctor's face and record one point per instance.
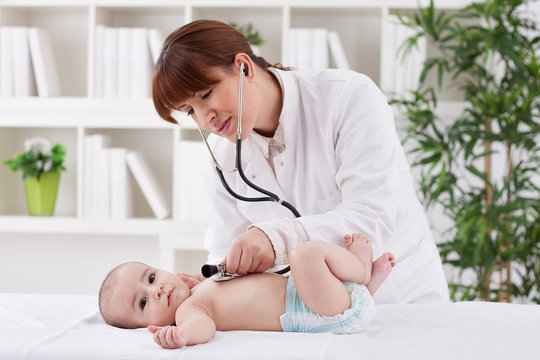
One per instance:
(216, 109)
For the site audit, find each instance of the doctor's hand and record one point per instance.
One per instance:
(250, 252)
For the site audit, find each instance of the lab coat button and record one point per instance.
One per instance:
(253, 177)
(282, 164)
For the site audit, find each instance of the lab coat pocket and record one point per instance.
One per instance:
(330, 203)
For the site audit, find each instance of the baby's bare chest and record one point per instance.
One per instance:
(253, 302)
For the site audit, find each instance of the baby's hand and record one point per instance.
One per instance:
(169, 337)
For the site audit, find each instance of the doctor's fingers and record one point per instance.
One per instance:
(232, 260)
(264, 265)
(255, 264)
(245, 263)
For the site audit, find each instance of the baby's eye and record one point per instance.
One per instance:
(151, 278)
(190, 112)
(142, 304)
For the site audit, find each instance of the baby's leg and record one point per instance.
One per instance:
(379, 272)
(319, 268)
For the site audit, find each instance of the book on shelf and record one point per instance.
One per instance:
(6, 62)
(44, 63)
(120, 187)
(310, 48)
(23, 74)
(99, 61)
(155, 41)
(400, 74)
(141, 63)
(108, 192)
(96, 176)
(110, 62)
(337, 51)
(16, 72)
(148, 184)
(123, 61)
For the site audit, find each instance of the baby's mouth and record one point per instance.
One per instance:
(169, 297)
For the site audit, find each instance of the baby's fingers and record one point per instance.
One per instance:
(170, 337)
(160, 336)
(153, 328)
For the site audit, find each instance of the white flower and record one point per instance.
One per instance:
(39, 164)
(38, 145)
(47, 166)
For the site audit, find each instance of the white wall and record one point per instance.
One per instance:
(75, 264)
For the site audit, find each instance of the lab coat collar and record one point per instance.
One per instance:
(289, 108)
(266, 144)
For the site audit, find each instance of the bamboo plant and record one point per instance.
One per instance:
(495, 217)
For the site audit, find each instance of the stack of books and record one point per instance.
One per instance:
(27, 63)
(124, 60)
(400, 75)
(310, 49)
(107, 184)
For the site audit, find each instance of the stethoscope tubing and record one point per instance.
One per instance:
(270, 196)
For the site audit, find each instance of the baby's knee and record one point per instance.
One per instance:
(305, 253)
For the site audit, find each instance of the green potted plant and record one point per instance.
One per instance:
(495, 217)
(252, 35)
(41, 165)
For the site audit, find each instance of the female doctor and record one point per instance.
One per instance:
(322, 140)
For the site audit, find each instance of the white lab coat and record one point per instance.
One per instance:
(345, 171)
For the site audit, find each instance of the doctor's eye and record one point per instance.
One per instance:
(207, 94)
(142, 303)
(151, 278)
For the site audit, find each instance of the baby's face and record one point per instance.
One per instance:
(146, 296)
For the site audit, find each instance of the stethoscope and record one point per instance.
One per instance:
(219, 270)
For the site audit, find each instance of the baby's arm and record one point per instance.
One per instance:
(196, 328)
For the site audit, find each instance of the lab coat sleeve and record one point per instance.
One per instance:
(368, 156)
(285, 235)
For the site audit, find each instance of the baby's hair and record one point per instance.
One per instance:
(105, 293)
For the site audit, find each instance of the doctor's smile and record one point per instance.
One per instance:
(224, 128)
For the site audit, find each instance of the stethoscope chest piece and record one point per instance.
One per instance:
(216, 272)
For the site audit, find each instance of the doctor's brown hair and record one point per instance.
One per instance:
(187, 58)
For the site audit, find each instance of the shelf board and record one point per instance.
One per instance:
(66, 225)
(75, 112)
(236, 3)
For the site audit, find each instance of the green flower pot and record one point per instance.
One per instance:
(41, 195)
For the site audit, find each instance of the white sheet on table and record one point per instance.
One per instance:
(69, 327)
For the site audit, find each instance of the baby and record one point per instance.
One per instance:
(329, 290)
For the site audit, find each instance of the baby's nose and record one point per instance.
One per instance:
(159, 291)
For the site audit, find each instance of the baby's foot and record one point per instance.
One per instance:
(380, 271)
(360, 246)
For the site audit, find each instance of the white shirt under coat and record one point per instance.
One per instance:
(344, 169)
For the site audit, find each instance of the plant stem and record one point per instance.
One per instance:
(510, 171)
(489, 195)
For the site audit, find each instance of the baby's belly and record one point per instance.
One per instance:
(253, 302)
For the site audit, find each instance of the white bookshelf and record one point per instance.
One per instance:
(134, 124)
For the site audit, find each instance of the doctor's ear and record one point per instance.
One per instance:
(245, 70)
